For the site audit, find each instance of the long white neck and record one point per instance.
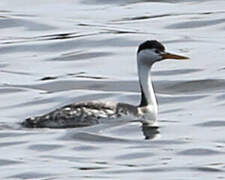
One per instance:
(148, 98)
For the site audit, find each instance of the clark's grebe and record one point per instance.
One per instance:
(89, 113)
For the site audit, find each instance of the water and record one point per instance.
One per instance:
(57, 52)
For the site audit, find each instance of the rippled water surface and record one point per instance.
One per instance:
(55, 52)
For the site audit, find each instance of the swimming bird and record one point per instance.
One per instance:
(89, 113)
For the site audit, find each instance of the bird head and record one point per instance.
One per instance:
(153, 51)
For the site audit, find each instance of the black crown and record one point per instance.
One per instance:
(153, 44)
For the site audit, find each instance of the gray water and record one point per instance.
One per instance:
(55, 52)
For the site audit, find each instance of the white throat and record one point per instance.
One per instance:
(148, 98)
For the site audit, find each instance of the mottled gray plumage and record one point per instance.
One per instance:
(82, 114)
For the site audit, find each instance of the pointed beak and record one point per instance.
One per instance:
(173, 56)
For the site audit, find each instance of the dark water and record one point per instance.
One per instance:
(53, 53)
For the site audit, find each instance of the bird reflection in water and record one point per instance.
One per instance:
(150, 132)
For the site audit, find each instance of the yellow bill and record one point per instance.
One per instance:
(173, 56)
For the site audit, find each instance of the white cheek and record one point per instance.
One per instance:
(147, 57)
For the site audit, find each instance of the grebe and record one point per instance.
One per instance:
(89, 113)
